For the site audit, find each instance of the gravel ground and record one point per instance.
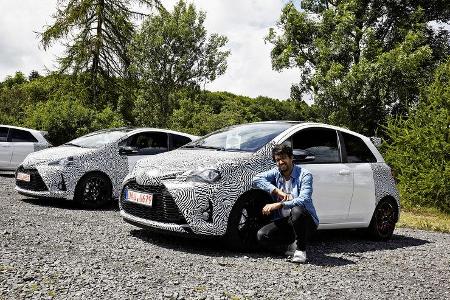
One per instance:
(54, 250)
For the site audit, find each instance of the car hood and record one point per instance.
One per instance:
(55, 153)
(178, 161)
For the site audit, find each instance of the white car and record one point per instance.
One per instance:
(205, 188)
(90, 169)
(16, 143)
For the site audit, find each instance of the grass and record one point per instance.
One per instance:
(425, 218)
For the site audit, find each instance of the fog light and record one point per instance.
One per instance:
(207, 214)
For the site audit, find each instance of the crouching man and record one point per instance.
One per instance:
(293, 216)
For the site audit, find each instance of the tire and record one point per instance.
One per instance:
(383, 220)
(93, 190)
(245, 220)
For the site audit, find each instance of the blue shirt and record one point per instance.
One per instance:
(301, 188)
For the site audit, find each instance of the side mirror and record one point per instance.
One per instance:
(303, 156)
(127, 150)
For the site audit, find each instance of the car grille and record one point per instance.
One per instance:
(164, 208)
(36, 183)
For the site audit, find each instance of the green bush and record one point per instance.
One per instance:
(418, 148)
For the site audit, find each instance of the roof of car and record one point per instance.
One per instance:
(139, 129)
(23, 128)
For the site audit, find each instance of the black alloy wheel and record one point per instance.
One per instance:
(383, 220)
(93, 191)
(245, 220)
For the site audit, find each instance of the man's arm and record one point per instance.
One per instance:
(265, 181)
(304, 194)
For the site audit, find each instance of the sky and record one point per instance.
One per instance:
(244, 22)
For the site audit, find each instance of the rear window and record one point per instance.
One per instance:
(357, 150)
(17, 135)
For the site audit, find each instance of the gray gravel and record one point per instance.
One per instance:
(54, 250)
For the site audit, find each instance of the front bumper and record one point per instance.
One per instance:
(182, 207)
(45, 182)
(182, 229)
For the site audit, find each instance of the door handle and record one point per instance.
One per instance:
(344, 172)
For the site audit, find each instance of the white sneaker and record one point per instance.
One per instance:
(299, 257)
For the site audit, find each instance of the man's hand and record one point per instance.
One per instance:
(268, 208)
(282, 196)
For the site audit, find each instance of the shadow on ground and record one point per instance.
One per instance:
(68, 204)
(326, 247)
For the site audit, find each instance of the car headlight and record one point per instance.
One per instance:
(67, 161)
(206, 175)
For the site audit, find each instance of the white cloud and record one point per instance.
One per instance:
(244, 22)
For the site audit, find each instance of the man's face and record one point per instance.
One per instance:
(284, 162)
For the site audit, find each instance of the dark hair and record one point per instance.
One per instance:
(281, 149)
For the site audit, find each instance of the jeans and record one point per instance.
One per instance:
(277, 235)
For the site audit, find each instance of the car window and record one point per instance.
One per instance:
(17, 135)
(320, 142)
(357, 150)
(147, 143)
(3, 134)
(179, 140)
(97, 139)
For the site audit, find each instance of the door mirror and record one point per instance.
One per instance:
(127, 150)
(303, 155)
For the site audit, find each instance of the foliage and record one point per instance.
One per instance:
(362, 60)
(418, 148)
(172, 52)
(210, 111)
(98, 32)
(66, 119)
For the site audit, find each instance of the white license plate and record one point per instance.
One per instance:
(138, 197)
(23, 177)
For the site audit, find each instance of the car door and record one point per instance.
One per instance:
(22, 142)
(6, 149)
(358, 158)
(332, 180)
(143, 144)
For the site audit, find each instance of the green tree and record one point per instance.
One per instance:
(208, 111)
(418, 148)
(97, 34)
(361, 60)
(172, 52)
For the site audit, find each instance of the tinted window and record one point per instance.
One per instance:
(320, 142)
(357, 150)
(247, 137)
(179, 140)
(17, 135)
(147, 142)
(3, 134)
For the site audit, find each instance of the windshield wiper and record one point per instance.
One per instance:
(204, 147)
(71, 144)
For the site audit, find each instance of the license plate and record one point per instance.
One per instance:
(23, 177)
(138, 197)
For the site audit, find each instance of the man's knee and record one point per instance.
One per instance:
(297, 213)
(262, 235)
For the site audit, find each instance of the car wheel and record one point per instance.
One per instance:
(245, 220)
(93, 190)
(383, 220)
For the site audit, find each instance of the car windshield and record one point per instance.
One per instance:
(97, 139)
(247, 137)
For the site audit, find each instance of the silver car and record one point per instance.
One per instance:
(90, 169)
(16, 143)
